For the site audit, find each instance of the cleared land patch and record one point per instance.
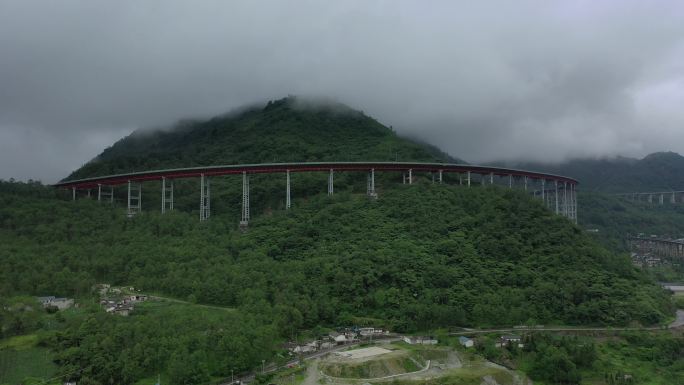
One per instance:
(363, 353)
(372, 362)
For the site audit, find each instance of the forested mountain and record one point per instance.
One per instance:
(286, 130)
(420, 257)
(660, 171)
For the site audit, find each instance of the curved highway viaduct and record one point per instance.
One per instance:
(559, 193)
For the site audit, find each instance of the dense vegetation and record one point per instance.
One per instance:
(420, 257)
(617, 358)
(486, 256)
(616, 218)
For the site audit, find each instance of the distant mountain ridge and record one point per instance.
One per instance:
(660, 171)
(292, 129)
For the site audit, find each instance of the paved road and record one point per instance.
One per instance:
(679, 321)
(551, 329)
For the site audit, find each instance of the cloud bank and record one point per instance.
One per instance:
(499, 80)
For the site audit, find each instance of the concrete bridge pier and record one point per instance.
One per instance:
(134, 198)
(370, 190)
(468, 178)
(101, 193)
(205, 198)
(330, 183)
(244, 221)
(555, 194)
(167, 195)
(287, 191)
(440, 176)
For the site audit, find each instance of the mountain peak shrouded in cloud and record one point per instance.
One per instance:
(525, 80)
(292, 129)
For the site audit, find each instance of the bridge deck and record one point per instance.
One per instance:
(194, 172)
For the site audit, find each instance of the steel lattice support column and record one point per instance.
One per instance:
(205, 198)
(331, 186)
(245, 200)
(167, 195)
(134, 198)
(287, 191)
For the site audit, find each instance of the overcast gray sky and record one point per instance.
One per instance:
(486, 80)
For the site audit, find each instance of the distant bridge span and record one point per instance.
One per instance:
(558, 192)
(671, 248)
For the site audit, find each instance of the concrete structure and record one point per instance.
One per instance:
(59, 303)
(465, 341)
(669, 248)
(655, 198)
(420, 340)
(338, 338)
(558, 193)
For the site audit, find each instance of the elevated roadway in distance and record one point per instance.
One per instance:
(670, 248)
(556, 191)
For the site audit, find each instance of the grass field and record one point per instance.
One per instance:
(21, 360)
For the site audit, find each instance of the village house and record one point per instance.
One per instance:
(420, 340)
(59, 303)
(465, 341)
(368, 332)
(138, 298)
(307, 348)
(120, 309)
(507, 339)
(338, 338)
(326, 345)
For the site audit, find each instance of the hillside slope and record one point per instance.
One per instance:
(286, 130)
(659, 171)
(420, 257)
